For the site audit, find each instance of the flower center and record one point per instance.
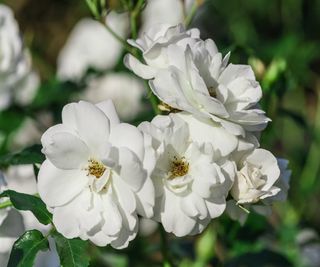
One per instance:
(178, 167)
(96, 168)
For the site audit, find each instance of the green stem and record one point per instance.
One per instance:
(164, 247)
(153, 99)
(191, 14)
(5, 204)
(118, 38)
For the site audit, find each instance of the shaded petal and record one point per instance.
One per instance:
(233, 71)
(194, 206)
(205, 131)
(124, 194)
(128, 136)
(216, 206)
(142, 70)
(66, 221)
(145, 198)
(173, 218)
(109, 110)
(131, 171)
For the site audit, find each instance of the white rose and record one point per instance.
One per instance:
(90, 45)
(190, 74)
(256, 176)
(94, 179)
(191, 178)
(123, 89)
(261, 180)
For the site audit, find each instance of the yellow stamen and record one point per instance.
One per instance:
(179, 167)
(95, 168)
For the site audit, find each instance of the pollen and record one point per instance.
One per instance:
(95, 168)
(179, 167)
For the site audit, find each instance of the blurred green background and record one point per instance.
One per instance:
(281, 40)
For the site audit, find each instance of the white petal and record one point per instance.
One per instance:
(89, 121)
(194, 206)
(216, 206)
(232, 72)
(65, 150)
(124, 238)
(109, 110)
(126, 135)
(142, 70)
(66, 221)
(145, 198)
(57, 187)
(112, 216)
(131, 171)
(124, 195)
(205, 131)
(172, 217)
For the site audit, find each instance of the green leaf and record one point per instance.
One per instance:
(28, 202)
(29, 155)
(25, 249)
(72, 252)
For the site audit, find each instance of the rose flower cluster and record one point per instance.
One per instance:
(182, 169)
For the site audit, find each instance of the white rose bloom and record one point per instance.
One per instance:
(191, 178)
(91, 45)
(261, 179)
(94, 179)
(123, 89)
(190, 74)
(21, 178)
(256, 176)
(15, 63)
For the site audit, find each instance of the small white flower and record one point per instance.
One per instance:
(261, 179)
(256, 176)
(123, 89)
(90, 45)
(94, 179)
(16, 76)
(190, 74)
(191, 178)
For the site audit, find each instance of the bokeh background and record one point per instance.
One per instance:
(280, 39)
